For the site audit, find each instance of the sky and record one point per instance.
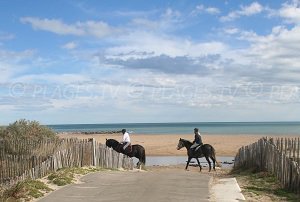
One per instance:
(71, 61)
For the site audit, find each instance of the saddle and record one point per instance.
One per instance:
(196, 148)
(128, 150)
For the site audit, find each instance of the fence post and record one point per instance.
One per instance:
(93, 142)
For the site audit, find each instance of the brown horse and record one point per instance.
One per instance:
(205, 150)
(137, 150)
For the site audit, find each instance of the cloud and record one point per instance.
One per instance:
(171, 65)
(148, 64)
(252, 9)
(231, 31)
(89, 28)
(13, 63)
(160, 44)
(70, 45)
(291, 12)
(7, 72)
(166, 23)
(52, 78)
(212, 10)
(171, 14)
(278, 49)
(53, 25)
(149, 24)
(203, 9)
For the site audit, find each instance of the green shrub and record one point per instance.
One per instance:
(23, 136)
(61, 177)
(25, 129)
(26, 190)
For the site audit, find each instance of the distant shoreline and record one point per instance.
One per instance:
(211, 128)
(203, 133)
(90, 132)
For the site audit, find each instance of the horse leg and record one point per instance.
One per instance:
(214, 162)
(139, 165)
(199, 164)
(208, 161)
(188, 162)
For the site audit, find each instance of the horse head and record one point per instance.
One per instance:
(180, 144)
(111, 143)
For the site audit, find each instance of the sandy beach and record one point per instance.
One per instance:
(165, 145)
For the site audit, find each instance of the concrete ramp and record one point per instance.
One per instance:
(227, 190)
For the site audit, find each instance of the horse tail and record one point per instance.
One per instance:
(213, 153)
(143, 156)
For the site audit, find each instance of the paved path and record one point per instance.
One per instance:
(226, 190)
(160, 186)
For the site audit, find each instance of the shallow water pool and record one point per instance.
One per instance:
(226, 161)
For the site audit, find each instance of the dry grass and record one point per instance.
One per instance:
(261, 186)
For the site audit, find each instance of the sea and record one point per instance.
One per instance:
(218, 128)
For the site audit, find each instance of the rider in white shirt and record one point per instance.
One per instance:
(126, 139)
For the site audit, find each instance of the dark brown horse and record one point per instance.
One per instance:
(137, 150)
(205, 150)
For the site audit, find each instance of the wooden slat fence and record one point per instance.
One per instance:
(44, 157)
(279, 156)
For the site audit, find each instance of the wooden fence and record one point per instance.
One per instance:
(37, 159)
(279, 156)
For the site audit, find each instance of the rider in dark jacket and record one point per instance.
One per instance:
(198, 140)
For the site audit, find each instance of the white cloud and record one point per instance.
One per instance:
(252, 9)
(170, 13)
(52, 78)
(141, 22)
(231, 30)
(7, 71)
(93, 28)
(148, 48)
(53, 25)
(70, 45)
(203, 9)
(12, 63)
(168, 21)
(97, 29)
(158, 44)
(212, 10)
(279, 45)
(291, 12)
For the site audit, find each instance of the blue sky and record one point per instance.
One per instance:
(149, 61)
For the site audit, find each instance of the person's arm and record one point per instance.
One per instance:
(200, 139)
